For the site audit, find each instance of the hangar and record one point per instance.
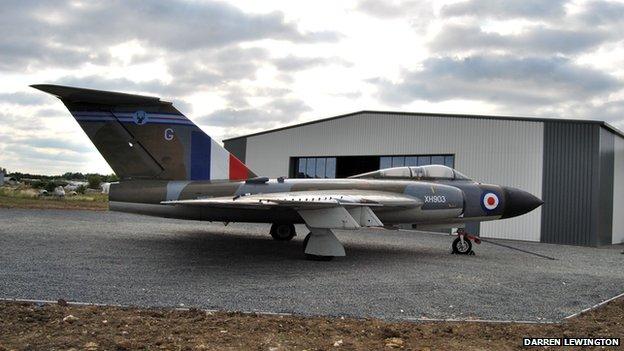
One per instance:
(575, 166)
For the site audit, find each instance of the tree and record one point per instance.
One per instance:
(94, 181)
(73, 176)
(81, 189)
(49, 186)
(110, 178)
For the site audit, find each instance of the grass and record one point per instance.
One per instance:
(22, 197)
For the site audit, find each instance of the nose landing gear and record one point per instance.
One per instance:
(462, 245)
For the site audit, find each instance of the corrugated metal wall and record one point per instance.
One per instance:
(578, 184)
(603, 208)
(618, 191)
(569, 162)
(507, 152)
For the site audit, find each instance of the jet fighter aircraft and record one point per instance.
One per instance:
(169, 167)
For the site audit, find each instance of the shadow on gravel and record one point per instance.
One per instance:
(197, 248)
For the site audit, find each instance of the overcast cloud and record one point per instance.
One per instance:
(505, 80)
(536, 40)
(534, 9)
(243, 66)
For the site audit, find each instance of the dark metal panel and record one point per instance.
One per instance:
(473, 227)
(604, 204)
(570, 157)
(237, 147)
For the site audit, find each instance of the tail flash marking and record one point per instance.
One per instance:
(238, 171)
(200, 156)
(209, 161)
(219, 162)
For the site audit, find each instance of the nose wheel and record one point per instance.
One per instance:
(462, 245)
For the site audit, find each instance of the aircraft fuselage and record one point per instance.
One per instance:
(445, 202)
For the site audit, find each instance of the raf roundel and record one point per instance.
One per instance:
(490, 201)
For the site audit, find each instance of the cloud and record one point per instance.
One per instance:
(52, 112)
(602, 13)
(25, 99)
(50, 33)
(219, 70)
(610, 111)
(26, 148)
(27, 154)
(212, 69)
(535, 40)
(204, 46)
(183, 106)
(32, 150)
(53, 143)
(266, 116)
(355, 94)
(19, 131)
(296, 63)
(419, 13)
(535, 9)
(502, 80)
(153, 87)
(393, 9)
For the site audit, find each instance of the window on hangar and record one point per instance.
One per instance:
(346, 166)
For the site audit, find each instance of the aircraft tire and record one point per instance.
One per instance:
(313, 257)
(283, 232)
(460, 249)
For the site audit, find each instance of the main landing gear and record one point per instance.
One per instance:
(283, 231)
(462, 245)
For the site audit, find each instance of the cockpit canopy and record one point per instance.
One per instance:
(429, 172)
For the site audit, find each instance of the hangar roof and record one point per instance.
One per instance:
(443, 115)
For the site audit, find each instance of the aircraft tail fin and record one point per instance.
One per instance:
(142, 137)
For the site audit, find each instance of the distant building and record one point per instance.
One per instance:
(9, 180)
(105, 187)
(1, 177)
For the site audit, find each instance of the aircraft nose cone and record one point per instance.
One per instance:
(519, 202)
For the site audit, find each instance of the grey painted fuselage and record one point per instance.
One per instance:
(445, 202)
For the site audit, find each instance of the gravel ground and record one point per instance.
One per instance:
(108, 257)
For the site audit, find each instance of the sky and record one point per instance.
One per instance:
(244, 66)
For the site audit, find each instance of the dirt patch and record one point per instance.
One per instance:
(26, 326)
(78, 203)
